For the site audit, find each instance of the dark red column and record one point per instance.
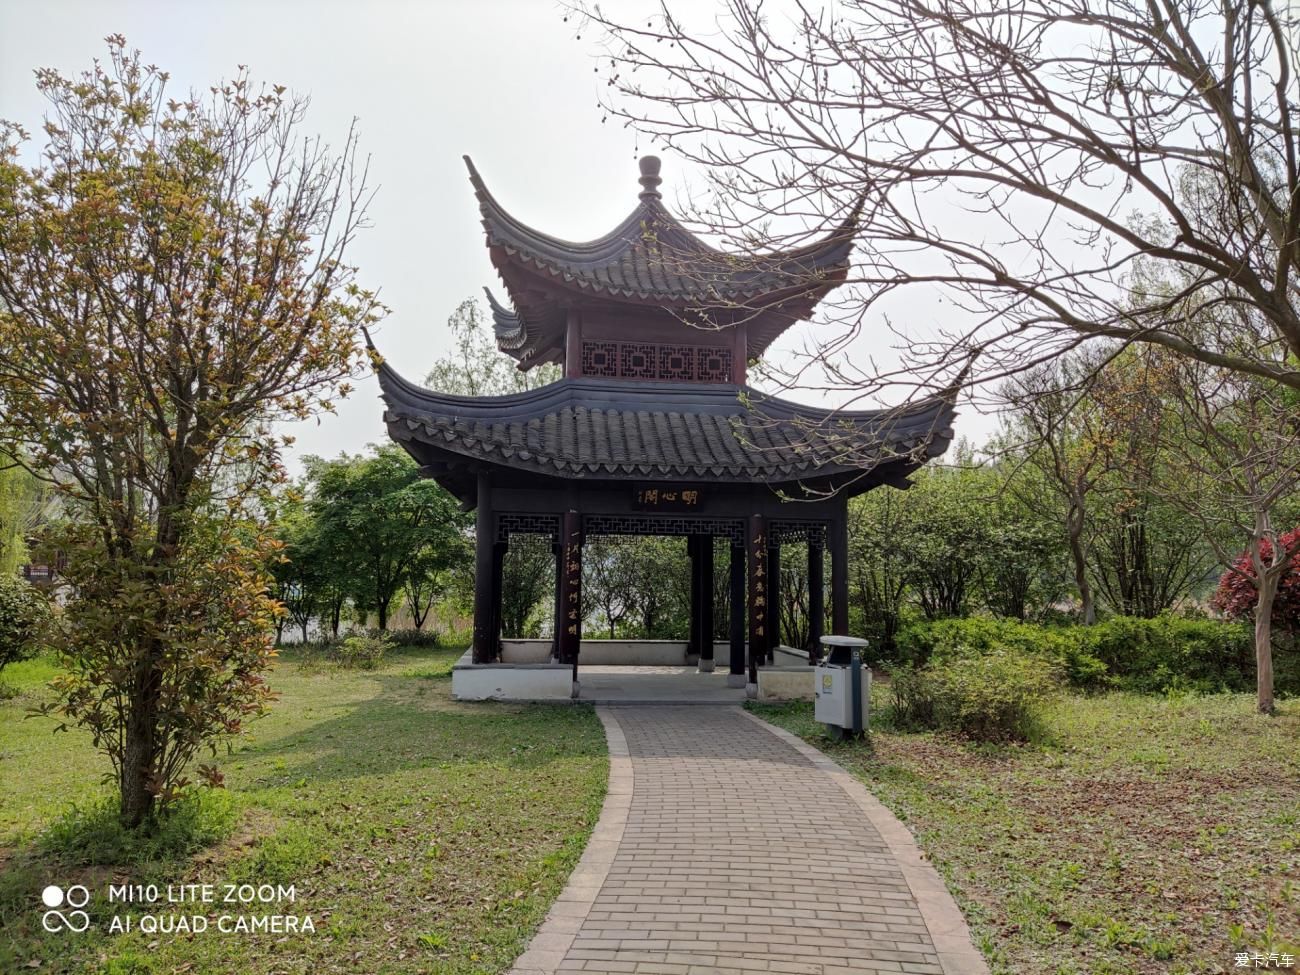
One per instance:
(484, 598)
(704, 611)
(570, 587)
(756, 549)
(816, 598)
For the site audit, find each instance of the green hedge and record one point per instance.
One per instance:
(1168, 653)
(978, 636)
(993, 697)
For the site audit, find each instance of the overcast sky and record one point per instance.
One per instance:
(506, 82)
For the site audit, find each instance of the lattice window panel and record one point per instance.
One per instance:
(676, 362)
(600, 359)
(783, 532)
(658, 525)
(668, 363)
(713, 365)
(522, 524)
(637, 360)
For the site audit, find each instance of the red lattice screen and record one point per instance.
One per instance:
(644, 360)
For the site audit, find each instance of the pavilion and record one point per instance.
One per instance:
(652, 430)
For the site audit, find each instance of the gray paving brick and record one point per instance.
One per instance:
(737, 852)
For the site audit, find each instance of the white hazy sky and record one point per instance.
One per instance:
(504, 81)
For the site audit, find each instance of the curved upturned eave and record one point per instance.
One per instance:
(776, 475)
(828, 258)
(722, 399)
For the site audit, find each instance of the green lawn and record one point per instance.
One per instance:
(1143, 835)
(421, 835)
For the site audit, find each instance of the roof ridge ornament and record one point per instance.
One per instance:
(649, 177)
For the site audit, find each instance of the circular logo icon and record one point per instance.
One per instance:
(55, 897)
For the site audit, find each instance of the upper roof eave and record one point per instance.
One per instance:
(692, 272)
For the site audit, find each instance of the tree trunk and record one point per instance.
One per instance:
(1267, 588)
(138, 748)
(1075, 525)
(382, 610)
(305, 624)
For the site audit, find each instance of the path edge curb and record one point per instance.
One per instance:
(943, 919)
(553, 939)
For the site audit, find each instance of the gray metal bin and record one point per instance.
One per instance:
(842, 694)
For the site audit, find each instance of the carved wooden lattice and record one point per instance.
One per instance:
(528, 524)
(636, 360)
(645, 360)
(659, 525)
(784, 532)
(600, 358)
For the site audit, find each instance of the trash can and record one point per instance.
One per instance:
(842, 694)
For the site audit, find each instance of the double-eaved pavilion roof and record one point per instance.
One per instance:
(651, 273)
(600, 429)
(650, 258)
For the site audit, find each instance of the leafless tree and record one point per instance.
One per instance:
(1056, 432)
(996, 152)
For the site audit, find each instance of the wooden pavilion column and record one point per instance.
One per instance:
(756, 548)
(704, 614)
(692, 626)
(571, 588)
(498, 566)
(837, 532)
(773, 599)
(557, 607)
(736, 671)
(816, 597)
(484, 599)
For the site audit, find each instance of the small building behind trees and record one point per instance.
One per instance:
(653, 429)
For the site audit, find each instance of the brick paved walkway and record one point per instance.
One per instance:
(705, 860)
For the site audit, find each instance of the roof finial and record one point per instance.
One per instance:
(650, 177)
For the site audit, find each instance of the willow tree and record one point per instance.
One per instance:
(174, 278)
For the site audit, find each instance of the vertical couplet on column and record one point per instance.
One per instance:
(756, 543)
(571, 587)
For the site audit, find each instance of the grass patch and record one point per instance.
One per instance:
(421, 835)
(1138, 835)
(93, 835)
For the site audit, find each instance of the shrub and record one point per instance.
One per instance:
(1168, 653)
(413, 638)
(995, 697)
(24, 613)
(912, 695)
(1174, 653)
(1236, 595)
(1066, 648)
(364, 652)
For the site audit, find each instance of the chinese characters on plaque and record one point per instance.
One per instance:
(666, 497)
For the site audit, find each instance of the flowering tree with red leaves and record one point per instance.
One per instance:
(1237, 593)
